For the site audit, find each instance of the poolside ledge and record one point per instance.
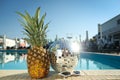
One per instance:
(85, 75)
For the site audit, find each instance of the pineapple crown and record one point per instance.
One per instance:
(34, 28)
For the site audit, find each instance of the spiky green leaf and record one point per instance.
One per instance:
(34, 28)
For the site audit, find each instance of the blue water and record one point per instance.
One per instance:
(87, 61)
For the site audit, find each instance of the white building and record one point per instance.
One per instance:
(7, 42)
(110, 30)
(15, 43)
(10, 43)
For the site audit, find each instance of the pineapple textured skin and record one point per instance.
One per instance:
(38, 62)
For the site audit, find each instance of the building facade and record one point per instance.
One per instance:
(7, 43)
(109, 31)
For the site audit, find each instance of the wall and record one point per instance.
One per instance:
(10, 43)
(110, 24)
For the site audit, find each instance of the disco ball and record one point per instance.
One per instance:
(64, 55)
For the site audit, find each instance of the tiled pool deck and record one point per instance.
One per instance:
(85, 75)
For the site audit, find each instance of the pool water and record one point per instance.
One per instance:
(87, 61)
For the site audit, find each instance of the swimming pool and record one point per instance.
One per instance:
(88, 61)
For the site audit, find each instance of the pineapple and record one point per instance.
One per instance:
(38, 58)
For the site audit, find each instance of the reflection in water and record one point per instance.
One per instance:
(86, 63)
(18, 61)
(11, 57)
(80, 62)
(99, 65)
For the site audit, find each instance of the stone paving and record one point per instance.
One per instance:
(84, 75)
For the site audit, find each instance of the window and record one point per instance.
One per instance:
(118, 21)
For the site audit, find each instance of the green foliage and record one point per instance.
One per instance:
(34, 28)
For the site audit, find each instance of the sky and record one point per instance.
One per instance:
(66, 17)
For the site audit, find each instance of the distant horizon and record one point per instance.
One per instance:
(66, 16)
